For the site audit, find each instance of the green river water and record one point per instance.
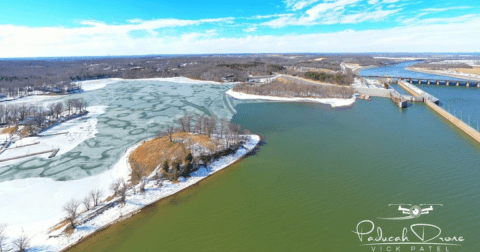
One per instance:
(320, 173)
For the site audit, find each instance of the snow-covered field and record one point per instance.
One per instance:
(33, 99)
(468, 62)
(449, 72)
(334, 102)
(77, 130)
(35, 204)
(400, 58)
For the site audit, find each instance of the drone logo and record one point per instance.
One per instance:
(414, 211)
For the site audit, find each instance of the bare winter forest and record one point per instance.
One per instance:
(294, 88)
(22, 76)
(37, 118)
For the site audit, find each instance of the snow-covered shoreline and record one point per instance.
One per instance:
(36, 214)
(90, 85)
(77, 131)
(334, 102)
(448, 73)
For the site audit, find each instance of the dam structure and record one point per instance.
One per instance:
(432, 102)
(428, 81)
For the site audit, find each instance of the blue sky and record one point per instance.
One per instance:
(127, 27)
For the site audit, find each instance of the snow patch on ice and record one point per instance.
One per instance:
(91, 85)
(97, 84)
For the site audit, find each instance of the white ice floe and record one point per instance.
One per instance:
(102, 83)
(76, 131)
(334, 102)
(97, 84)
(35, 204)
(184, 80)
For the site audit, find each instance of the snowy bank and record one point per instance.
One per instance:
(76, 131)
(449, 73)
(36, 204)
(31, 99)
(334, 102)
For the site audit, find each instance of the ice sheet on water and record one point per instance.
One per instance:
(136, 110)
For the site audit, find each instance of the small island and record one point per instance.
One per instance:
(179, 151)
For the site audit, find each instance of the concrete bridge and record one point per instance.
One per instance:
(438, 82)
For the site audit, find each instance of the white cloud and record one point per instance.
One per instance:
(269, 16)
(299, 4)
(134, 21)
(390, 1)
(369, 16)
(333, 12)
(324, 7)
(250, 29)
(20, 41)
(432, 10)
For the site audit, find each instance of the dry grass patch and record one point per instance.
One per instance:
(10, 130)
(475, 70)
(152, 153)
(59, 225)
(25, 132)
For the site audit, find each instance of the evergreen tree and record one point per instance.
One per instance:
(165, 166)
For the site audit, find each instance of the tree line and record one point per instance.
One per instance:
(22, 77)
(294, 88)
(340, 79)
(37, 117)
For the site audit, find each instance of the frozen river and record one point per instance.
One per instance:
(136, 110)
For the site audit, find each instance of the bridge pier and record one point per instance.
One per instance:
(447, 83)
(428, 82)
(438, 83)
(468, 84)
(411, 81)
(458, 84)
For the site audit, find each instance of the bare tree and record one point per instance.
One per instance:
(185, 122)
(22, 243)
(70, 105)
(159, 177)
(212, 125)
(123, 191)
(58, 109)
(143, 182)
(86, 203)
(170, 131)
(198, 124)
(95, 196)
(223, 126)
(71, 208)
(115, 186)
(3, 236)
